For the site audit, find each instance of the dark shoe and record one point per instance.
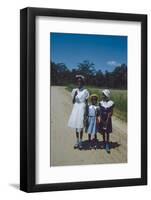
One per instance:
(95, 146)
(90, 146)
(80, 145)
(104, 145)
(107, 148)
(76, 145)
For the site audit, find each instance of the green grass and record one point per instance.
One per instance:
(118, 96)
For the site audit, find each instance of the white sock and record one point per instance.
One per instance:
(78, 141)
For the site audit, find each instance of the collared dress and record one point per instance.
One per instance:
(105, 108)
(76, 119)
(92, 123)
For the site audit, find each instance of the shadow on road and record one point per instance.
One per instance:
(98, 145)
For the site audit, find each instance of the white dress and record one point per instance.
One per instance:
(76, 119)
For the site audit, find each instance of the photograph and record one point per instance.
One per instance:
(88, 98)
(83, 99)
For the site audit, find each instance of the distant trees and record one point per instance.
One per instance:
(86, 68)
(61, 75)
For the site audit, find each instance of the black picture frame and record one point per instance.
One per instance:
(28, 98)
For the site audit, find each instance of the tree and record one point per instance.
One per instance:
(87, 69)
(99, 78)
(59, 73)
(120, 77)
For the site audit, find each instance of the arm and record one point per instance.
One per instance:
(74, 96)
(99, 114)
(98, 117)
(86, 113)
(109, 115)
(86, 96)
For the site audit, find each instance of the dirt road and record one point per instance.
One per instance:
(63, 137)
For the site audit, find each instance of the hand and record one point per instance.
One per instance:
(104, 124)
(97, 121)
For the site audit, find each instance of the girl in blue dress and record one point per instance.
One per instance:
(92, 114)
(106, 111)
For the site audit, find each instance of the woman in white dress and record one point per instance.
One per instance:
(80, 96)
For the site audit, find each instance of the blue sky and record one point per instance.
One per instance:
(105, 51)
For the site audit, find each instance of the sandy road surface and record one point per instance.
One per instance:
(63, 137)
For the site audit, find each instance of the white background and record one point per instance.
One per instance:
(9, 99)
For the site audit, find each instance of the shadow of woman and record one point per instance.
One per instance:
(98, 145)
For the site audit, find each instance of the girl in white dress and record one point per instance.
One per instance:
(80, 96)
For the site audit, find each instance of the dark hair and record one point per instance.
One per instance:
(83, 82)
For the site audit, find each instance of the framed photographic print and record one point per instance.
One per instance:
(83, 99)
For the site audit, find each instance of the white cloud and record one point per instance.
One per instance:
(113, 63)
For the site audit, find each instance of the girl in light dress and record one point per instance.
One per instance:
(92, 114)
(80, 96)
(106, 111)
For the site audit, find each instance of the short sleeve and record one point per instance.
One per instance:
(86, 94)
(111, 107)
(112, 104)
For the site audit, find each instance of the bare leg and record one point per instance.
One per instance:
(90, 141)
(104, 137)
(77, 143)
(95, 141)
(77, 136)
(89, 137)
(81, 136)
(107, 137)
(107, 143)
(104, 140)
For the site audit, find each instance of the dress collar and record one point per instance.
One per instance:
(81, 89)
